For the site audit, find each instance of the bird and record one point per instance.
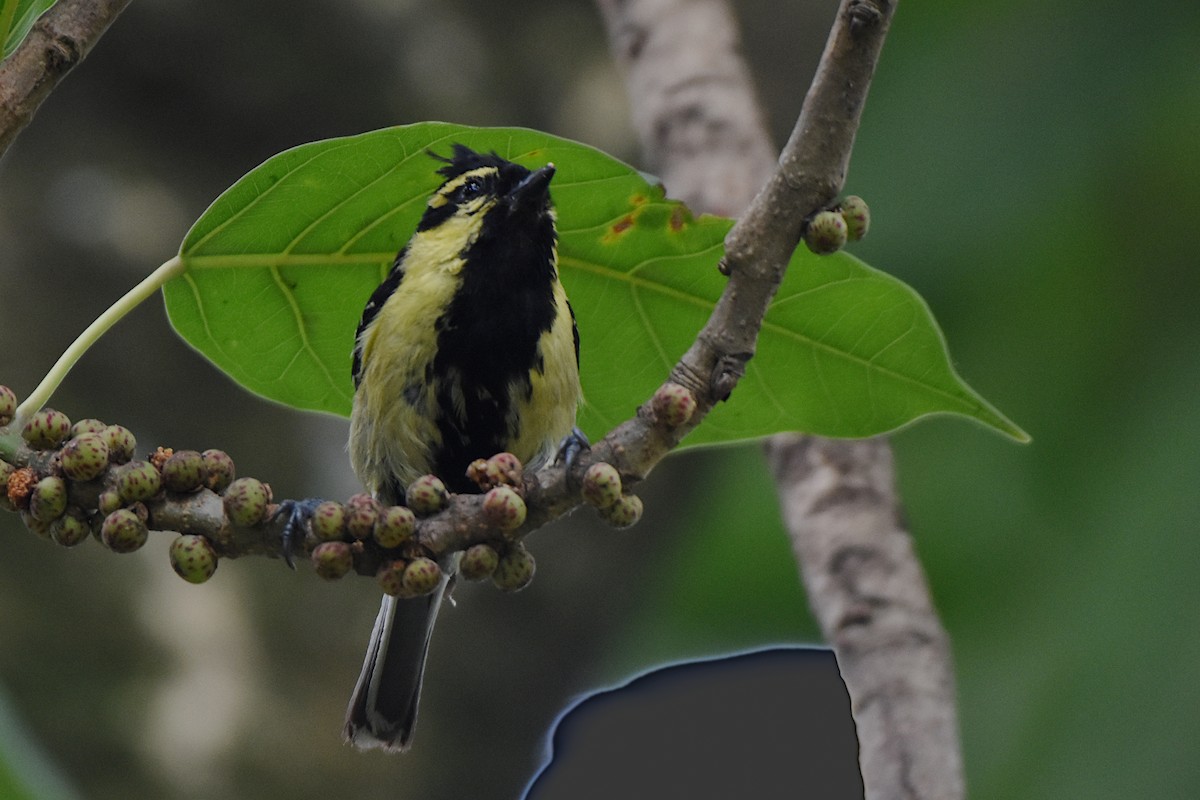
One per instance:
(468, 348)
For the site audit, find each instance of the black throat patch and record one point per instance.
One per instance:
(488, 338)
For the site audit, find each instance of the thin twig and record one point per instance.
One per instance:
(59, 40)
(694, 107)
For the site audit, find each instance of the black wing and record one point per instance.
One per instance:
(382, 292)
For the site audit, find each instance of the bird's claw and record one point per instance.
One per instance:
(570, 447)
(298, 513)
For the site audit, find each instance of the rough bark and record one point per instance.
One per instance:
(56, 43)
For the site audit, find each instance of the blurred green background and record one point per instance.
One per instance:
(1028, 165)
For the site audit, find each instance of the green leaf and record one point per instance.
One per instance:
(16, 18)
(279, 267)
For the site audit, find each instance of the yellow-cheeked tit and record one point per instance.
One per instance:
(468, 348)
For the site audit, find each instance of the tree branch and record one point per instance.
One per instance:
(864, 583)
(59, 40)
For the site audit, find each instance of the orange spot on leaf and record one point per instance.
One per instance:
(617, 228)
(678, 219)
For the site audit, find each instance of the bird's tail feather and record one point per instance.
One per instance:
(383, 709)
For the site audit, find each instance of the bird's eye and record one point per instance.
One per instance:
(470, 189)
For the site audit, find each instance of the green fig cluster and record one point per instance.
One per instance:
(828, 231)
(409, 577)
(92, 486)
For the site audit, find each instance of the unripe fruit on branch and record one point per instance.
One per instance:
(623, 513)
(108, 501)
(421, 576)
(6, 471)
(426, 495)
(361, 512)
(502, 469)
(219, 470)
(8, 405)
(515, 569)
(48, 500)
(857, 216)
(332, 560)
(394, 526)
(328, 521)
(123, 531)
(184, 471)
(826, 233)
(85, 457)
(391, 577)
(46, 429)
(246, 502)
(673, 404)
(36, 527)
(193, 558)
(504, 508)
(478, 562)
(121, 443)
(601, 485)
(137, 481)
(88, 426)
(71, 528)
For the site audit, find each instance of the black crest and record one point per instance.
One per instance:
(464, 159)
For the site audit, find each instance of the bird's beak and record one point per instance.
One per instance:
(534, 188)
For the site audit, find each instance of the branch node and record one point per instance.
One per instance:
(730, 369)
(864, 15)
